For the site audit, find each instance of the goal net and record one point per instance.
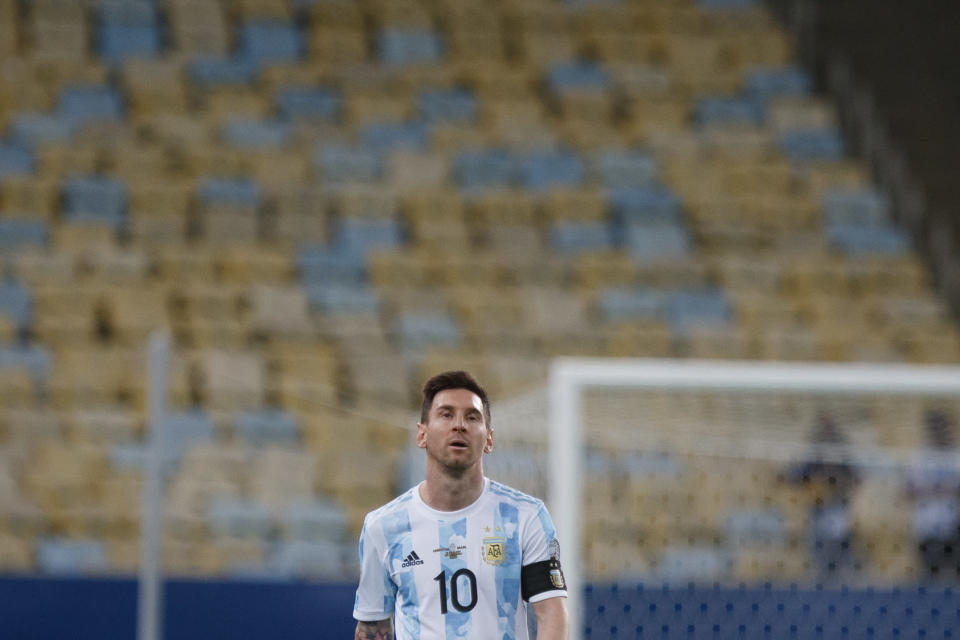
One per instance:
(730, 478)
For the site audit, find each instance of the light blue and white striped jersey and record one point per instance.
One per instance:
(446, 575)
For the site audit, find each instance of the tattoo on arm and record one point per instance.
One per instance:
(376, 630)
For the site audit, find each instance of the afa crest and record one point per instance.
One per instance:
(494, 551)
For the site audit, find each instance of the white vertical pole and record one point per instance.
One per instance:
(150, 593)
(565, 441)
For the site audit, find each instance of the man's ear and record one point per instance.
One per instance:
(488, 445)
(421, 435)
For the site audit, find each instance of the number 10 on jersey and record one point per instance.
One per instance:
(454, 595)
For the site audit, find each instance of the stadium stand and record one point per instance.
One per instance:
(326, 201)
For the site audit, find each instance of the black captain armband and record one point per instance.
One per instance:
(540, 577)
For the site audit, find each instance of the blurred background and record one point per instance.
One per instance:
(324, 202)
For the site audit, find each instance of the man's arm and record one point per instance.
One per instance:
(374, 630)
(553, 623)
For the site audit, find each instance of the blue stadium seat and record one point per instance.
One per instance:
(447, 105)
(764, 83)
(211, 70)
(685, 565)
(332, 298)
(308, 103)
(399, 47)
(727, 110)
(422, 329)
(238, 192)
(30, 129)
(127, 12)
(651, 243)
(620, 303)
(61, 556)
(122, 42)
(645, 205)
(688, 309)
(267, 426)
(22, 232)
(82, 105)
(97, 198)
(858, 240)
(577, 237)
(868, 208)
(362, 236)
(340, 164)
(619, 169)
(319, 264)
(270, 41)
(545, 170)
(238, 517)
(128, 29)
(812, 146)
(35, 360)
(256, 134)
(579, 76)
(15, 161)
(315, 559)
(183, 429)
(761, 525)
(315, 520)
(476, 170)
(386, 136)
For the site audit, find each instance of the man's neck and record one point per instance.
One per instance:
(445, 492)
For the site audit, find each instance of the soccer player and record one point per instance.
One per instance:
(459, 556)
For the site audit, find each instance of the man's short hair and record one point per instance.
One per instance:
(452, 380)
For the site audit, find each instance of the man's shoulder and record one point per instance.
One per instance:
(400, 503)
(519, 498)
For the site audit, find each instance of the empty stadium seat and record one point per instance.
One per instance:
(100, 199)
(576, 237)
(393, 135)
(446, 105)
(15, 303)
(211, 71)
(399, 46)
(128, 30)
(15, 160)
(59, 556)
(338, 164)
(812, 146)
(22, 233)
(263, 427)
(308, 103)
(478, 170)
(253, 135)
(418, 329)
(270, 41)
(617, 169)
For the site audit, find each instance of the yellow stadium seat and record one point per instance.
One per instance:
(279, 310)
(31, 195)
(16, 553)
(198, 28)
(247, 265)
(580, 205)
(410, 172)
(729, 343)
(232, 380)
(337, 44)
(281, 477)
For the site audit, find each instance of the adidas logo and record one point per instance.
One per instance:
(411, 560)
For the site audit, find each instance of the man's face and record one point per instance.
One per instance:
(455, 434)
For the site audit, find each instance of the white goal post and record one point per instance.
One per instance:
(571, 377)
